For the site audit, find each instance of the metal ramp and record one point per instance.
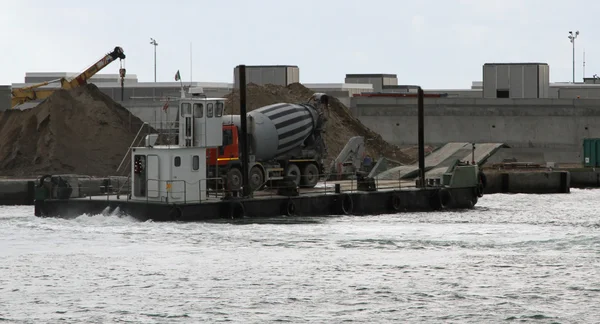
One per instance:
(443, 159)
(350, 158)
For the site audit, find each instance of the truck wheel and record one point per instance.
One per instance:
(293, 170)
(234, 179)
(256, 178)
(310, 176)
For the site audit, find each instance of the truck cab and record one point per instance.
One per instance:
(229, 151)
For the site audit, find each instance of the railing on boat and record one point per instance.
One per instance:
(177, 190)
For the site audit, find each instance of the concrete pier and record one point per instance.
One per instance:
(22, 191)
(17, 191)
(585, 178)
(534, 182)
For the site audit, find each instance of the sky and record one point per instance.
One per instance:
(438, 44)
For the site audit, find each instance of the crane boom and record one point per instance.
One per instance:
(82, 78)
(24, 94)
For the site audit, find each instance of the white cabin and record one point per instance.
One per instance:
(177, 173)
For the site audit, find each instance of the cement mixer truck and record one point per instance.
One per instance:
(284, 140)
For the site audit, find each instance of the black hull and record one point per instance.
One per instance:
(357, 203)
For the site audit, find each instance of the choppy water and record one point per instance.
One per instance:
(515, 258)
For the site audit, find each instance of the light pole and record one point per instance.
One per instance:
(153, 42)
(572, 37)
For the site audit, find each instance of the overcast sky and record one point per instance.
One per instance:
(439, 44)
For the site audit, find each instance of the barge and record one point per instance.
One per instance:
(172, 183)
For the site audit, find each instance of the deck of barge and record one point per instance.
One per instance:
(322, 188)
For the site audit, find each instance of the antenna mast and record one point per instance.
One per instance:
(584, 64)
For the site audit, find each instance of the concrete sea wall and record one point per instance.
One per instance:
(555, 127)
(534, 182)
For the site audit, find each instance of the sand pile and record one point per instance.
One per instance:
(79, 131)
(340, 127)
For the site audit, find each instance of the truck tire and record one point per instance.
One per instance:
(256, 178)
(293, 170)
(310, 176)
(234, 179)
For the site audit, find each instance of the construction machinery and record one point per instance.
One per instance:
(29, 93)
(284, 140)
(350, 160)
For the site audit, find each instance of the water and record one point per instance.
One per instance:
(515, 258)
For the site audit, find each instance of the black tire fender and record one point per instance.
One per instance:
(236, 210)
(175, 213)
(479, 190)
(434, 200)
(346, 204)
(445, 197)
(482, 179)
(481, 184)
(396, 202)
(289, 207)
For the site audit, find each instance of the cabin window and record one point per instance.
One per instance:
(219, 109)
(186, 108)
(188, 126)
(198, 110)
(196, 163)
(209, 110)
(227, 137)
(140, 176)
(177, 161)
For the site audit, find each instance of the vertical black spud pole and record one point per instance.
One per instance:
(421, 138)
(243, 136)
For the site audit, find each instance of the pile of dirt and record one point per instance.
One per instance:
(340, 127)
(80, 131)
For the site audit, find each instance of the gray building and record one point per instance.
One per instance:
(282, 75)
(39, 77)
(379, 81)
(132, 89)
(342, 91)
(515, 80)
(5, 97)
(515, 105)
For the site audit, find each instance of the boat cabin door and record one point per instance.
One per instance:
(178, 178)
(187, 120)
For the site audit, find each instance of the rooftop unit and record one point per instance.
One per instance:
(379, 81)
(282, 75)
(516, 80)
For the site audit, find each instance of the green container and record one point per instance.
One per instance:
(591, 152)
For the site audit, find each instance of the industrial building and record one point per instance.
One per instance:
(146, 99)
(514, 103)
(380, 82)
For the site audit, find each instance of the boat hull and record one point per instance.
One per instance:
(354, 203)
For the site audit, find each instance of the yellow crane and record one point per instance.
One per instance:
(24, 94)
